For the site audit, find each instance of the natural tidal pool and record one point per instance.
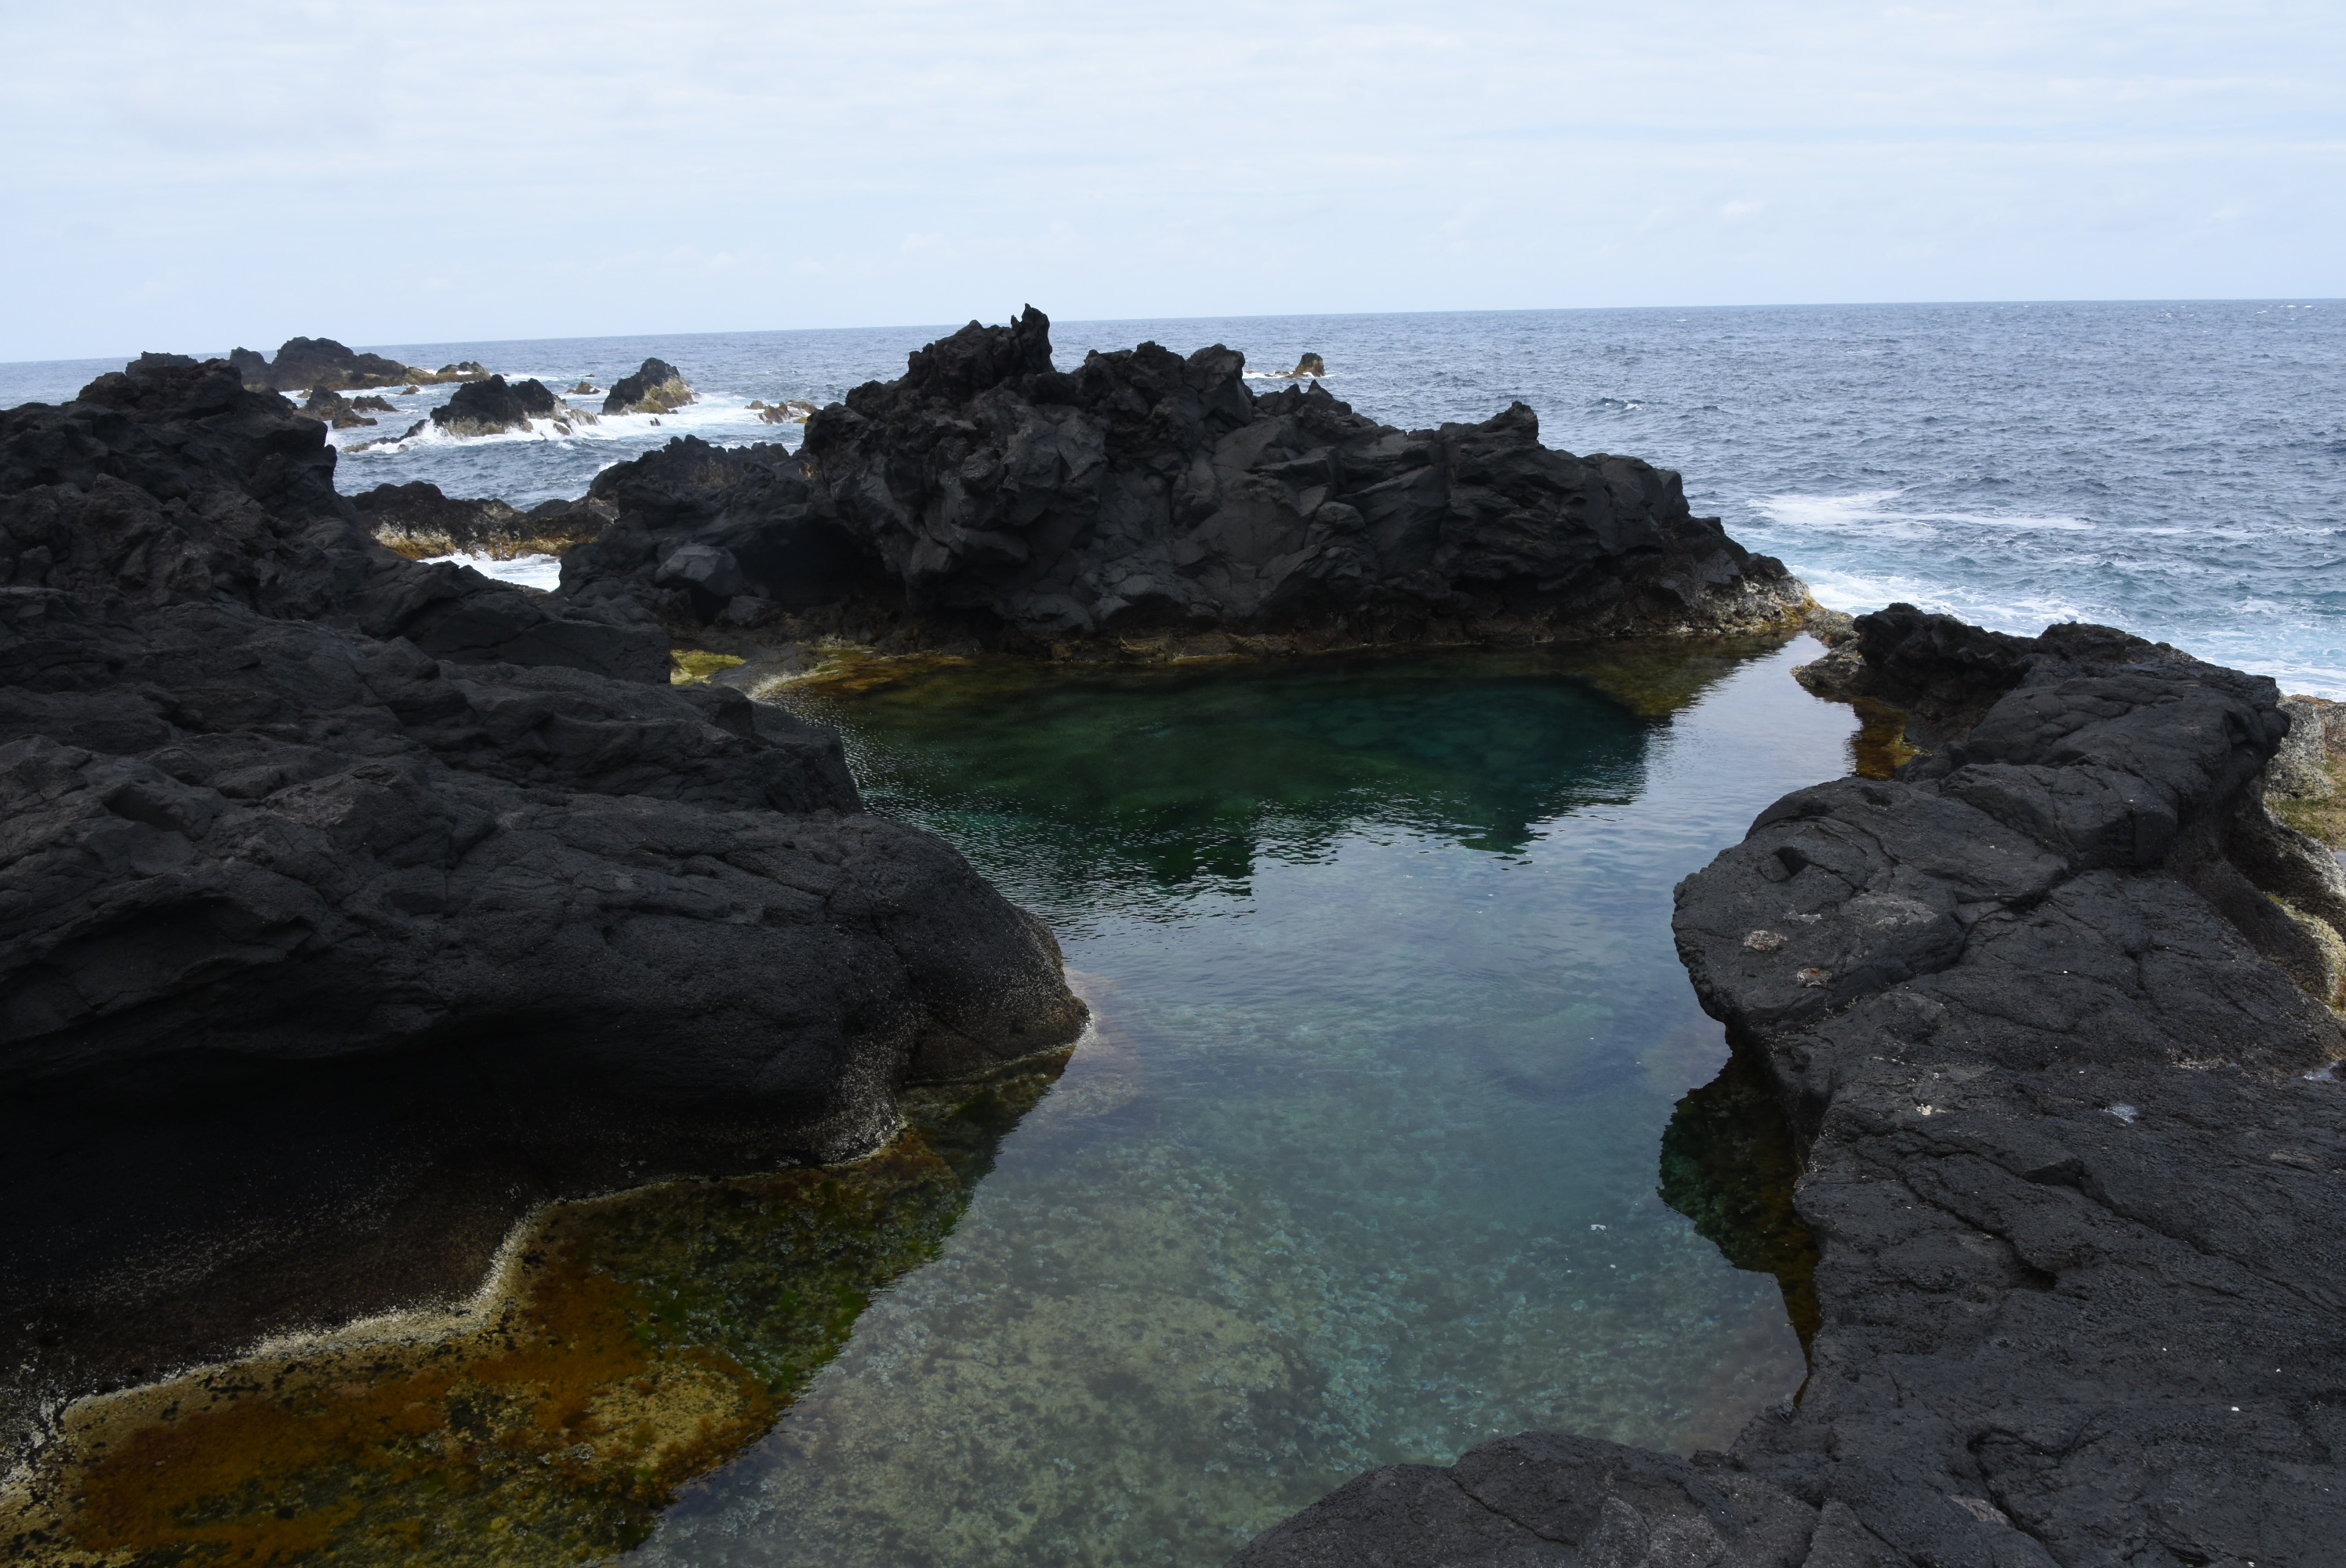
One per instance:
(1361, 1165)
(1398, 1129)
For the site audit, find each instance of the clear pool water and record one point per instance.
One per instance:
(1362, 1163)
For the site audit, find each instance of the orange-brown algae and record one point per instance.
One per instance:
(633, 1342)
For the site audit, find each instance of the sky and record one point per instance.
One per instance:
(194, 175)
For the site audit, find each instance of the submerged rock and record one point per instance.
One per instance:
(491, 407)
(657, 387)
(2045, 1013)
(1146, 499)
(349, 906)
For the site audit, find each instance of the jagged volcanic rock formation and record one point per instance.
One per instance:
(323, 365)
(349, 906)
(988, 498)
(657, 387)
(491, 407)
(2073, 1146)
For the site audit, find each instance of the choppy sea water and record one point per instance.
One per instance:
(2177, 469)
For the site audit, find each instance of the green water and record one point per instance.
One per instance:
(1361, 1165)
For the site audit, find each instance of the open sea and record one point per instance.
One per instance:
(2177, 469)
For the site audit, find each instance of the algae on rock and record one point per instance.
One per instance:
(625, 1344)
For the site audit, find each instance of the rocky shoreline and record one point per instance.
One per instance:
(2046, 1013)
(448, 902)
(305, 833)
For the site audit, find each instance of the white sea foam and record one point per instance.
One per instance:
(529, 571)
(724, 421)
(1865, 513)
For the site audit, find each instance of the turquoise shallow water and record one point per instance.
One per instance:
(1361, 1163)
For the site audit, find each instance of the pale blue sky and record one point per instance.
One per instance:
(190, 176)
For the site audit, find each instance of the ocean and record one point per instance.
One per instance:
(2177, 469)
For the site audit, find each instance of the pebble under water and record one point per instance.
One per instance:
(1360, 1166)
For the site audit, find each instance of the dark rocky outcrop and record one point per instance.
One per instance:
(316, 363)
(491, 407)
(1310, 367)
(337, 410)
(419, 523)
(322, 364)
(2073, 1144)
(657, 387)
(986, 498)
(350, 906)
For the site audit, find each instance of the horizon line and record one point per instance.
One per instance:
(2307, 300)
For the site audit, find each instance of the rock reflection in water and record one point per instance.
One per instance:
(1362, 1166)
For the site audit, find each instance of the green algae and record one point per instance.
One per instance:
(628, 1344)
(693, 666)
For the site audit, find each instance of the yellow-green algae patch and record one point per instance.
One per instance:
(622, 1346)
(693, 665)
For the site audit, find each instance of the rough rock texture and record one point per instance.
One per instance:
(349, 905)
(990, 498)
(2306, 786)
(657, 387)
(2073, 1144)
(491, 407)
(420, 522)
(318, 363)
(336, 409)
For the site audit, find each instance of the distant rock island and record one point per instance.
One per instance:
(323, 365)
(492, 407)
(657, 387)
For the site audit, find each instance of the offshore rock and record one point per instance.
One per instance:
(318, 363)
(491, 407)
(350, 906)
(657, 387)
(2072, 1137)
(987, 498)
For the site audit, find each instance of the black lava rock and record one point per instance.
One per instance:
(490, 407)
(2041, 1013)
(986, 496)
(317, 362)
(657, 387)
(349, 906)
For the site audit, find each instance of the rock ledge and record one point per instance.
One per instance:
(2041, 1013)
